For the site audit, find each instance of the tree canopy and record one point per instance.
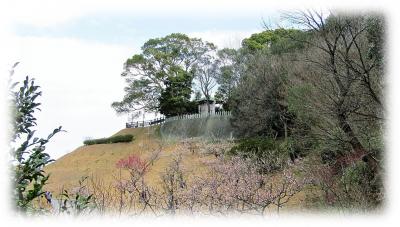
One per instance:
(150, 73)
(175, 98)
(276, 41)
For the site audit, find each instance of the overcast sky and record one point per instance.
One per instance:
(76, 51)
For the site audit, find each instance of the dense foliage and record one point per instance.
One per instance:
(175, 99)
(275, 41)
(324, 97)
(259, 100)
(165, 65)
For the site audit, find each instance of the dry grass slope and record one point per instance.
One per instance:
(99, 160)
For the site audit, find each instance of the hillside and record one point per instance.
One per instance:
(292, 118)
(100, 160)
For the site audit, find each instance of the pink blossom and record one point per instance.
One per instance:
(132, 162)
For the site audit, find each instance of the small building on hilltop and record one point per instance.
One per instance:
(203, 106)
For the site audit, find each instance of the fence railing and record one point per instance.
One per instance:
(140, 124)
(202, 115)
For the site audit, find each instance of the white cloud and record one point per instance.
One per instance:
(50, 12)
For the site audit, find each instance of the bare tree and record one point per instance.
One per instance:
(349, 79)
(173, 183)
(206, 73)
(231, 65)
(237, 186)
(134, 193)
(260, 98)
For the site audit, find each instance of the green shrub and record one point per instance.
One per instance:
(121, 139)
(28, 158)
(79, 202)
(361, 186)
(268, 154)
(113, 139)
(331, 150)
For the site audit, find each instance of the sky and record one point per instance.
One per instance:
(78, 59)
(76, 49)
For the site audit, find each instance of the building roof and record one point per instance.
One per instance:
(204, 101)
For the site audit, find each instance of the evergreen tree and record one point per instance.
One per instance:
(175, 99)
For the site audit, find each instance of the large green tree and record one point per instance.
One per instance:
(175, 98)
(150, 73)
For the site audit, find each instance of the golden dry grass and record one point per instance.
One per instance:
(100, 160)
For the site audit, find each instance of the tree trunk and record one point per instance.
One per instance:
(285, 128)
(359, 150)
(208, 104)
(345, 126)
